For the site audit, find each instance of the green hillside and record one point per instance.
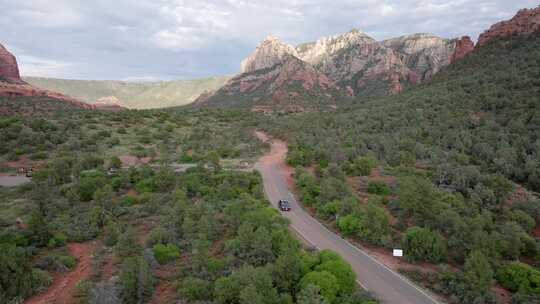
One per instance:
(133, 95)
(455, 158)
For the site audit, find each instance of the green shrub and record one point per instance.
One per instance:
(136, 280)
(422, 244)
(90, 181)
(39, 155)
(58, 239)
(349, 224)
(343, 272)
(128, 200)
(377, 187)
(195, 289)
(517, 276)
(165, 253)
(325, 281)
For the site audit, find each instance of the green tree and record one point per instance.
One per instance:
(128, 244)
(195, 289)
(374, 225)
(517, 276)
(422, 244)
(343, 272)
(349, 224)
(325, 281)
(287, 272)
(165, 253)
(136, 280)
(478, 271)
(311, 295)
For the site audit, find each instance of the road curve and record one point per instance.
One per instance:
(385, 284)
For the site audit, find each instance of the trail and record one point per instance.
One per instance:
(384, 283)
(64, 285)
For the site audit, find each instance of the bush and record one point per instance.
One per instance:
(195, 289)
(325, 281)
(90, 181)
(517, 276)
(349, 224)
(377, 187)
(421, 244)
(128, 200)
(165, 253)
(136, 280)
(343, 272)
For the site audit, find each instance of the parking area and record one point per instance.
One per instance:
(13, 180)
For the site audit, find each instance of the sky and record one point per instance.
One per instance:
(138, 40)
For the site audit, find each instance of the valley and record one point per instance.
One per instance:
(291, 182)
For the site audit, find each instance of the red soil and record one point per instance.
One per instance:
(64, 285)
(165, 291)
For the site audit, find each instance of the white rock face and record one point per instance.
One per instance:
(360, 63)
(267, 54)
(318, 52)
(423, 53)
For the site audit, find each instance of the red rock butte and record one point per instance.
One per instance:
(463, 47)
(9, 69)
(526, 21)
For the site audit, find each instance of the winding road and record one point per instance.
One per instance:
(384, 283)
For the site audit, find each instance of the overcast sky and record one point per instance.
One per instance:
(170, 39)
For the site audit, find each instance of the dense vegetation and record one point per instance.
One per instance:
(446, 171)
(209, 228)
(454, 153)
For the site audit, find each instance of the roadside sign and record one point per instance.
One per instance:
(397, 253)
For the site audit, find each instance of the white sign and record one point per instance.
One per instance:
(397, 253)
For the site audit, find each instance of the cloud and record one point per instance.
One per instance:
(104, 39)
(42, 67)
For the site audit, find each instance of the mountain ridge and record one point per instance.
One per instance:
(136, 95)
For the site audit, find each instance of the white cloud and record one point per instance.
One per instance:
(192, 25)
(42, 67)
(109, 39)
(49, 14)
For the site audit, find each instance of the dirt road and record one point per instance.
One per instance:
(64, 286)
(384, 283)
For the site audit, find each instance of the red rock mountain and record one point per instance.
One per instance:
(526, 21)
(463, 47)
(291, 85)
(278, 75)
(9, 70)
(321, 74)
(11, 85)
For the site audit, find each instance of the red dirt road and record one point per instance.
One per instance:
(63, 287)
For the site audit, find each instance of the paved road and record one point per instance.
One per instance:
(12, 181)
(384, 283)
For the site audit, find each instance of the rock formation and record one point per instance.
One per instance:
(9, 70)
(269, 53)
(11, 85)
(289, 86)
(526, 21)
(463, 47)
(423, 54)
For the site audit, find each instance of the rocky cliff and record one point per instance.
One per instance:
(526, 21)
(9, 70)
(277, 75)
(11, 84)
(267, 54)
(423, 54)
(463, 47)
(289, 86)
(353, 62)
